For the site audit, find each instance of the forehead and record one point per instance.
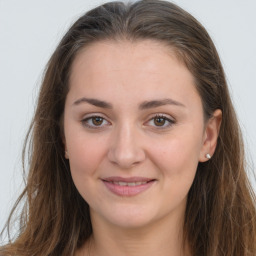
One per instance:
(121, 53)
(124, 68)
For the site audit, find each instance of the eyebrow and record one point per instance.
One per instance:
(95, 102)
(142, 106)
(158, 103)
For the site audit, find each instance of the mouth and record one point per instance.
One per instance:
(128, 186)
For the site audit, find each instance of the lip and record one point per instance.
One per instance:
(132, 189)
(127, 179)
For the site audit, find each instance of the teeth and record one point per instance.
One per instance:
(130, 184)
(140, 183)
(120, 183)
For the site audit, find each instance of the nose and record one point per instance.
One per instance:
(126, 150)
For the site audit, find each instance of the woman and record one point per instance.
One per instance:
(135, 145)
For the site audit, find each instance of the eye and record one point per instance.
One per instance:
(161, 121)
(95, 122)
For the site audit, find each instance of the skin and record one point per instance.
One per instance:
(129, 141)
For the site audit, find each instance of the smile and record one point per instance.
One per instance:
(130, 184)
(127, 186)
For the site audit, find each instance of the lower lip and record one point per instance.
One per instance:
(128, 190)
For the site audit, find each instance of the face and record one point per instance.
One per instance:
(134, 131)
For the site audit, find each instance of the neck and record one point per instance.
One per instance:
(165, 238)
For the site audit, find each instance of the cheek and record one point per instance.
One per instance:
(85, 154)
(177, 157)
(177, 165)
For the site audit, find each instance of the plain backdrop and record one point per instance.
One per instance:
(30, 30)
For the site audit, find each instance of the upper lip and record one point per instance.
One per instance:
(127, 179)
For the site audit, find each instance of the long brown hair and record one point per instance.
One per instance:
(220, 215)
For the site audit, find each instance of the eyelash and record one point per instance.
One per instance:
(86, 121)
(169, 121)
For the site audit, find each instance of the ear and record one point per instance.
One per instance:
(210, 136)
(66, 153)
(65, 148)
(62, 134)
(64, 145)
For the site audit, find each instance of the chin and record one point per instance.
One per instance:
(127, 217)
(132, 222)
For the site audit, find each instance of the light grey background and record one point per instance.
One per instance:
(30, 30)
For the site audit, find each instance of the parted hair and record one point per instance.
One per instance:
(220, 217)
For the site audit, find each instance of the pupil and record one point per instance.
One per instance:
(97, 120)
(159, 121)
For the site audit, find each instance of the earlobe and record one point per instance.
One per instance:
(211, 134)
(66, 154)
(65, 147)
